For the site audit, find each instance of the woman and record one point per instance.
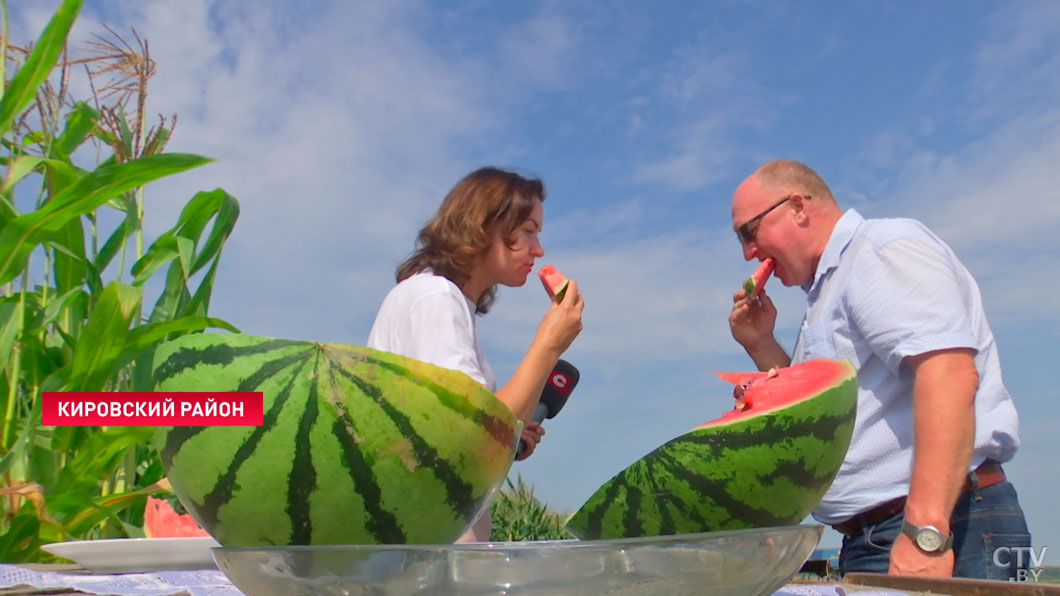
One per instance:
(485, 234)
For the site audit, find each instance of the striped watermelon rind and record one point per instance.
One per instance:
(357, 446)
(555, 282)
(756, 283)
(755, 471)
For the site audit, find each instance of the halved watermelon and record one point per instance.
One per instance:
(162, 521)
(555, 282)
(767, 463)
(757, 282)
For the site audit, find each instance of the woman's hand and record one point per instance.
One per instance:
(562, 322)
(532, 434)
(558, 328)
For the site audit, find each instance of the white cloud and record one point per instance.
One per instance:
(1016, 66)
(709, 97)
(996, 198)
(336, 135)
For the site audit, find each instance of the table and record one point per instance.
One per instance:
(34, 579)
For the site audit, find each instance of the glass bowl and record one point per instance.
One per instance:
(738, 562)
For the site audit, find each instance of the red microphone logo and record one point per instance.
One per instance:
(560, 381)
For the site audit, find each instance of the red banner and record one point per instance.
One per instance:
(152, 408)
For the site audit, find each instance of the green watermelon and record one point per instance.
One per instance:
(756, 284)
(766, 463)
(357, 446)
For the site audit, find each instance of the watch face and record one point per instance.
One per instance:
(928, 540)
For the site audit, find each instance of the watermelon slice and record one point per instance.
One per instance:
(757, 282)
(162, 521)
(555, 282)
(766, 463)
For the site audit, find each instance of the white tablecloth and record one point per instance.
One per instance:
(211, 582)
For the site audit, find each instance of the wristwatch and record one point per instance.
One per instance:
(928, 538)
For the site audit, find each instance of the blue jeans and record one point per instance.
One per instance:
(984, 520)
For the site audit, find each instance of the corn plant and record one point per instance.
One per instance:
(519, 516)
(75, 275)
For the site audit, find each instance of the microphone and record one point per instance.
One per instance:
(558, 387)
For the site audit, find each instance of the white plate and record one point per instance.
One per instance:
(132, 555)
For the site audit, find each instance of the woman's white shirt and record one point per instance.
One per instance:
(428, 318)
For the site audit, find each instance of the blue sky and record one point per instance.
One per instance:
(339, 126)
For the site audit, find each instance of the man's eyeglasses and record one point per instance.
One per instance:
(747, 231)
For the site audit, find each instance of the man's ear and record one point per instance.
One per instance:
(799, 208)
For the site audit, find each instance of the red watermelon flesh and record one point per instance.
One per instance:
(760, 392)
(555, 282)
(162, 521)
(757, 282)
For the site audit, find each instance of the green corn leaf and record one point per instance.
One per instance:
(227, 210)
(176, 301)
(80, 122)
(68, 439)
(10, 457)
(204, 206)
(55, 243)
(40, 359)
(9, 326)
(60, 174)
(200, 302)
(104, 337)
(41, 462)
(100, 454)
(22, 235)
(19, 442)
(70, 261)
(38, 137)
(173, 297)
(186, 254)
(75, 509)
(18, 168)
(20, 542)
(161, 252)
(55, 308)
(8, 213)
(103, 509)
(112, 180)
(117, 239)
(23, 87)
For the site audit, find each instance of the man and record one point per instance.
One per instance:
(921, 491)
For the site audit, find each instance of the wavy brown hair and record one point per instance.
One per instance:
(488, 198)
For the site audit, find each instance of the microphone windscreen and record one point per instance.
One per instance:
(561, 382)
(558, 387)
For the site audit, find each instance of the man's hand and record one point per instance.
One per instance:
(908, 559)
(943, 434)
(752, 323)
(751, 320)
